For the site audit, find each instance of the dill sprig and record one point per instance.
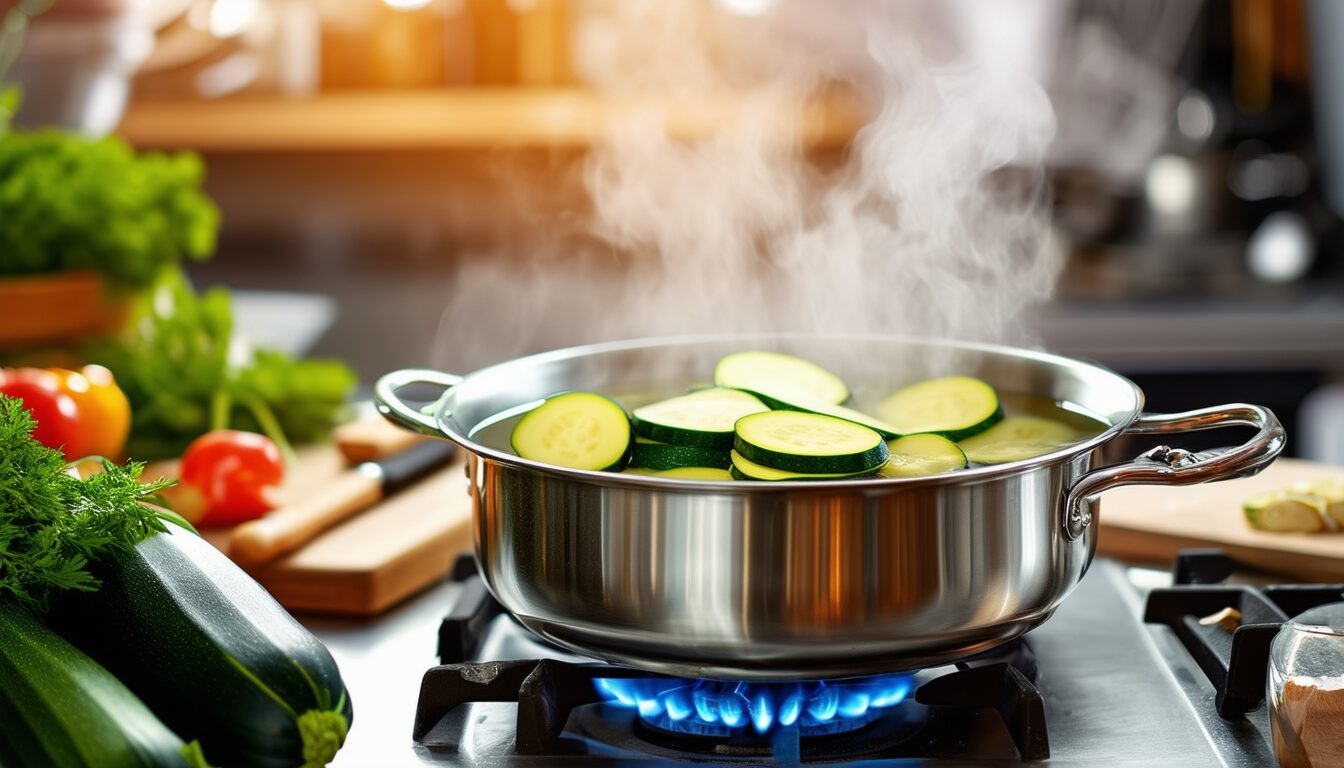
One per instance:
(53, 524)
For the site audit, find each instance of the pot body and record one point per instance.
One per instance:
(795, 580)
(786, 585)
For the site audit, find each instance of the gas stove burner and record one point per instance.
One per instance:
(565, 705)
(726, 709)
(892, 730)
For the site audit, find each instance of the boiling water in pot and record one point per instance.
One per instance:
(495, 431)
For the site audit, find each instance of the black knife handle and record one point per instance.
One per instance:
(413, 464)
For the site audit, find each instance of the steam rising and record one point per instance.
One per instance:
(934, 223)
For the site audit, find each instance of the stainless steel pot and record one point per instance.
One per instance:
(751, 580)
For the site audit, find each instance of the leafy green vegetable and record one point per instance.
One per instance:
(53, 524)
(184, 374)
(71, 202)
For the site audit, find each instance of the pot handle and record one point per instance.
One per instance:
(1164, 465)
(395, 410)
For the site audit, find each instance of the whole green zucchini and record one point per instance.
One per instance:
(60, 709)
(212, 653)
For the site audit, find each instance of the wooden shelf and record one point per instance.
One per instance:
(443, 119)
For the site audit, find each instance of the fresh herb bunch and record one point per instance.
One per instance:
(184, 374)
(52, 523)
(70, 202)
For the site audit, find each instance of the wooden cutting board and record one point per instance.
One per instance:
(380, 557)
(1152, 523)
(375, 559)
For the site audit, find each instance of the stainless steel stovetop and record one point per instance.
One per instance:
(1117, 692)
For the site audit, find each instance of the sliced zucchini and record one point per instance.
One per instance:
(1332, 492)
(703, 418)
(884, 429)
(779, 379)
(746, 469)
(1017, 437)
(662, 456)
(809, 443)
(955, 407)
(920, 455)
(580, 430)
(1285, 512)
(687, 473)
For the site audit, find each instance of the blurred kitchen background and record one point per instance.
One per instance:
(367, 154)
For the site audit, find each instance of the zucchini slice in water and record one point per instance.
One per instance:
(955, 407)
(746, 469)
(884, 429)
(1018, 437)
(662, 456)
(703, 418)
(809, 443)
(688, 473)
(580, 430)
(921, 455)
(780, 379)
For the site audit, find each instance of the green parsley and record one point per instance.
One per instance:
(184, 374)
(71, 202)
(53, 525)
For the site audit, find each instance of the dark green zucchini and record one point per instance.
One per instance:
(212, 654)
(59, 708)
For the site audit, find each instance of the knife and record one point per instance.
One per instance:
(290, 527)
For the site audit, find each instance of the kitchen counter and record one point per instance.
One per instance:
(383, 662)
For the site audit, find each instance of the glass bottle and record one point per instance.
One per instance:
(1306, 689)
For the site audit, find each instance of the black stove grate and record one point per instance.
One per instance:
(1235, 662)
(548, 691)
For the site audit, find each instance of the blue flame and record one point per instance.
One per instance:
(692, 705)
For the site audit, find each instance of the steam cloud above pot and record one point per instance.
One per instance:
(934, 222)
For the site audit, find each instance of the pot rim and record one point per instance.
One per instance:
(448, 428)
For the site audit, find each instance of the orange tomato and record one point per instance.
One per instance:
(104, 411)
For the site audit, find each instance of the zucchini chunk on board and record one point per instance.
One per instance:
(649, 454)
(580, 430)
(1018, 437)
(922, 455)
(1286, 512)
(209, 651)
(59, 708)
(955, 407)
(703, 418)
(780, 379)
(746, 469)
(809, 443)
(1329, 490)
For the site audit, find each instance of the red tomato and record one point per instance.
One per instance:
(56, 413)
(234, 473)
